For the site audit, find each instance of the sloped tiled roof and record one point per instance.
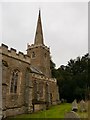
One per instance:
(35, 70)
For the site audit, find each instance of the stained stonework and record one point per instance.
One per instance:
(44, 91)
(27, 85)
(0, 86)
(39, 53)
(12, 61)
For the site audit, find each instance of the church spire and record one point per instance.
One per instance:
(39, 33)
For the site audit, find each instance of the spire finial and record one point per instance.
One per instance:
(39, 9)
(39, 32)
(39, 12)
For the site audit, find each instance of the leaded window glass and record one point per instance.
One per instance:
(14, 80)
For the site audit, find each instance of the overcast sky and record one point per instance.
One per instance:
(65, 27)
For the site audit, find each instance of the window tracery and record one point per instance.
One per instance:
(14, 80)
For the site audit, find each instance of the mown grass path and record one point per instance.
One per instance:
(57, 111)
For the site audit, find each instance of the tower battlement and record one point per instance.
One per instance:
(44, 78)
(13, 53)
(27, 83)
(35, 46)
(39, 52)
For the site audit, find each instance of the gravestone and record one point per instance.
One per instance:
(72, 115)
(83, 106)
(74, 105)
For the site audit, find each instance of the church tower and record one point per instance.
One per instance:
(39, 53)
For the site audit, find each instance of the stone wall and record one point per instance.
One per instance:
(12, 53)
(41, 60)
(13, 103)
(44, 91)
(34, 91)
(0, 85)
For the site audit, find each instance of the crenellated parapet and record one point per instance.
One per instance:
(37, 76)
(36, 46)
(13, 53)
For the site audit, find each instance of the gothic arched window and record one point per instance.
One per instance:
(14, 80)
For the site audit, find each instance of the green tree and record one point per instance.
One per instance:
(73, 79)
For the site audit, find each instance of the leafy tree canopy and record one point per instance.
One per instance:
(73, 79)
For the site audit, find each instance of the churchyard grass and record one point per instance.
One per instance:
(57, 111)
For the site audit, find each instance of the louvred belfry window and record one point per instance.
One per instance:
(33, 55)
(14, 80)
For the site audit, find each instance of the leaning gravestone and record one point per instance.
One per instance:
(71, 115)
(74, 105)
(83, 106)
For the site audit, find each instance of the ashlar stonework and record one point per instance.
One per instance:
(27, 85)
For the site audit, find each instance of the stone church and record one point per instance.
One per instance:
(27, 85)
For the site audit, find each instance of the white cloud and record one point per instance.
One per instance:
(65, 27)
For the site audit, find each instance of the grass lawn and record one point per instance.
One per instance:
(57, 111)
